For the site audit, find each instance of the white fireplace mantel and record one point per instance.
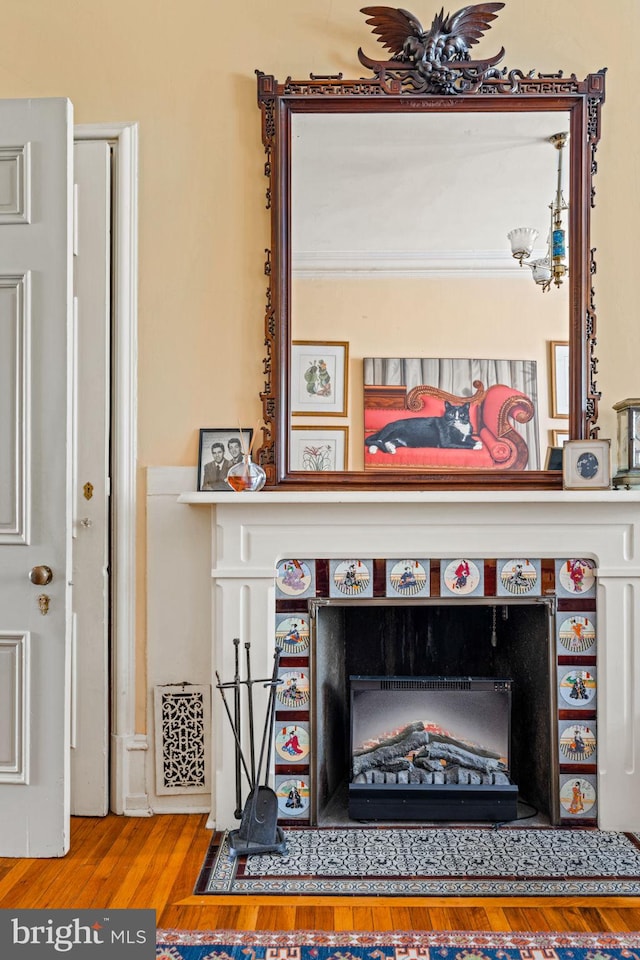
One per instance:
(250, 533)
(346, 495)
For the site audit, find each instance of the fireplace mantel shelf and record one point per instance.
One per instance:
(410, 496)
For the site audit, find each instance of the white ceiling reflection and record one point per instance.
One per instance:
(428, 193)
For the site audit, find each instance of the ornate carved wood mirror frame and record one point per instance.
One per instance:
(417, 79)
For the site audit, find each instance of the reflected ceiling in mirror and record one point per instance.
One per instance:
(419, 194)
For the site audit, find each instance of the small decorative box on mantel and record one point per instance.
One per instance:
(628, 452)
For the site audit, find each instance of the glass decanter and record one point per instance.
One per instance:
(246, 476)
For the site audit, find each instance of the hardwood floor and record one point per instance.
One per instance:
(154, 863)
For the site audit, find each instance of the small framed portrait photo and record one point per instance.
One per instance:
(220, 449)
(586, 465)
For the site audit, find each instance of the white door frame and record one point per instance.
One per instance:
(128, 789)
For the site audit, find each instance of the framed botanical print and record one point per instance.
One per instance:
(319, 378)
(316, 450)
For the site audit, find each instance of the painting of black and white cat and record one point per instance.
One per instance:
(452, 430)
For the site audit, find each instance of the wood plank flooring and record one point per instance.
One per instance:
(154, 863)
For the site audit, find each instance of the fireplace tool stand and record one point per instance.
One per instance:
(259, 831)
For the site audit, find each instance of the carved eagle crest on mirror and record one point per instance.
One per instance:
(448, 38)
(431, 55)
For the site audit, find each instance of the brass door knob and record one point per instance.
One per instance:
(41, 575)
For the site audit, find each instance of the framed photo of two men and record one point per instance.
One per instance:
(220, 448)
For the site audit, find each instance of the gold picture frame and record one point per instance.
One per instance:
(559, 378)
(319, 378)
(318, 449)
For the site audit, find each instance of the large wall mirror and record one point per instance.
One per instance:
(406, 345)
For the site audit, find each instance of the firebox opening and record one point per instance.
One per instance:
(427, 639)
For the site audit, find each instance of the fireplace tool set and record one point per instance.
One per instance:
(259, 831)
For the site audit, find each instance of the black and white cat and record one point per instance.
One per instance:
(452, 430)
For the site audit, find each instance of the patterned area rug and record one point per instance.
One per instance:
(396, 945)
(431, 861)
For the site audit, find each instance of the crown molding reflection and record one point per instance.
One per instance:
(335, 264)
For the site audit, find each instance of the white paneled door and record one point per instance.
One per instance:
(36, 165)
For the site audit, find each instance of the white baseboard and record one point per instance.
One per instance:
(131, 798)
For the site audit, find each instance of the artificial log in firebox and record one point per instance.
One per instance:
(419, 755)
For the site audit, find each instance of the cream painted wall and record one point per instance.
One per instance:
(184, 69)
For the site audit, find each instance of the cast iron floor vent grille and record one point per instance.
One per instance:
(182, 738)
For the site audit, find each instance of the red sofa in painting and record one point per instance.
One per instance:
(492, 413)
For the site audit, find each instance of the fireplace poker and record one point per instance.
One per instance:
(252, 742)
(271, 711)
(236, 716)
(268, 721)
(235, 685)
(221, 688)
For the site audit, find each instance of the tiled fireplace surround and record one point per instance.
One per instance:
(250, 533)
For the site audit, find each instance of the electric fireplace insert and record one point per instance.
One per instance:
(431, 748)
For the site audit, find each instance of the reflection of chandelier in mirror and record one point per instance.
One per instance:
(552, 268)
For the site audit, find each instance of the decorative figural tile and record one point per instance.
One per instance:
(518, 578)
(575, 577)
(576, 633)
(293, 796)
(577, 741)
(351, 578)
(408, 578)
(577, 688)
(292, 691)
(577, 796)
(292, 742)
(295, 578)
(292, 634)
(462, 578)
